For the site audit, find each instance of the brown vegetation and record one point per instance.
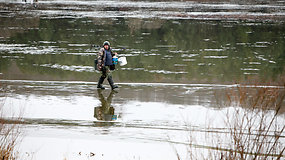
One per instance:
(254, 126)
(255, 131)
(9, 135)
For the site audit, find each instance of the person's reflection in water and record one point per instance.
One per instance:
(105, 112)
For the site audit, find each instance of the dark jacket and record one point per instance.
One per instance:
(101, 59)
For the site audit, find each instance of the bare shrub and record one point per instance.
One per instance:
(253, 126)
(9, 134)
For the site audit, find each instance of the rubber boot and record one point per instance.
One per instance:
(111, 82)
(100, 82)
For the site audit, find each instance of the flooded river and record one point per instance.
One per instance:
(182, 58)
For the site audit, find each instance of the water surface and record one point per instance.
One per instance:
(62, 43)
(182, 59)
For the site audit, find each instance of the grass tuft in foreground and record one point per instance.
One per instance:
(9, 135)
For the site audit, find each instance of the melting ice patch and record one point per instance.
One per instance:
(189, 55)
(254, 63)
(161, 10)
(206, 64)
(247, 73)
(165, 46)
(264, 59)
(12, 57)
(180, 65)
(214, 50)
(178, 51)
(249, 69)
(166, 72)
(154, 71)
(7, 47)
(25, 49)
(83, 54)
(216, 57)
(243, 44)
(264, 43)
(47, 42)
(261, 57)
(78, 45)
(128, 55)
(68, 68)
(188, 60)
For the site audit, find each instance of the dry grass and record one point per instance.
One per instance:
(255, 130)
(8, 141)
(9, 135)
(253, 126)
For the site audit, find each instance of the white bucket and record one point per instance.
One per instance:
(122, 61)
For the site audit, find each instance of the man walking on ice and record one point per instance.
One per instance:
(105, 65)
